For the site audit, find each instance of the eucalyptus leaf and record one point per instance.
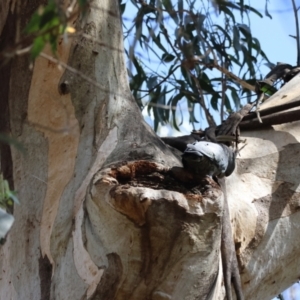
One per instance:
(166, 57)
(252, 9)
(266, 10)
(187, 53)
(180, 9)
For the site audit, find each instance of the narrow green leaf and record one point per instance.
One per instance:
(161, 101)
(122, 8)
(227, 104)
(236, 41)
(82, 3)
(241, 4)
(180, 9)
(174, 121)
(152, 82)
(134, 3)
(48, 18)
(156, 40)
(4, 138)
(138, 67)
(37, 47)
(234, 59)
(200, 21)
(267, 89)
(169, 8)
(33, 24)
(182, 83)
(234, 96)
(262, 53)
(191, 107)
(230, 4)
(227, 11)
(166, 57)
(187, 77)
(224, 32)
(214, 101)
(167, 4)
(206, 86)
(187, 19)
(256, 46)
(266, 10)
(250, 8)
(174, 104)
(245, 30)
(13, 196)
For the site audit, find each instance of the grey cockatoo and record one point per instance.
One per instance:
(207, 158)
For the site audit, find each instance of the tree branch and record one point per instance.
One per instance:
(274, 109)
(297, 31)
(273, 119)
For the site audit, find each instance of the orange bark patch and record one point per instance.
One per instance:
(136, 168)
(149, 174)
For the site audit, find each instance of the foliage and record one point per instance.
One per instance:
(46, 26)
(197, 46)
(7, 197)
(191, 42)
(4, 138)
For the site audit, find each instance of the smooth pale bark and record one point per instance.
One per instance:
(101, 214)
(264, 199)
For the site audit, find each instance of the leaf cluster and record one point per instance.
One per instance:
(197, 47)
(47, 24)
(7, 197)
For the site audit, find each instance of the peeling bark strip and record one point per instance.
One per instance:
(45, 273)
(60, 128)
(111, 279)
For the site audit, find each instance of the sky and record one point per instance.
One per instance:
(273, 35)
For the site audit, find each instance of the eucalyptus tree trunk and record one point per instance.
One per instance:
(106, 211)
(100, 215)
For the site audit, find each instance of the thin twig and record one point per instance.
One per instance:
(274, 109)
(80, 74)
(243, 83)
(73, 70)
(88, 79)
(223, 96)
(226, 72)
(161, 82)
(165, 32)
(167, 107)
(209, 118)
(139, 32)
(297, 31)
